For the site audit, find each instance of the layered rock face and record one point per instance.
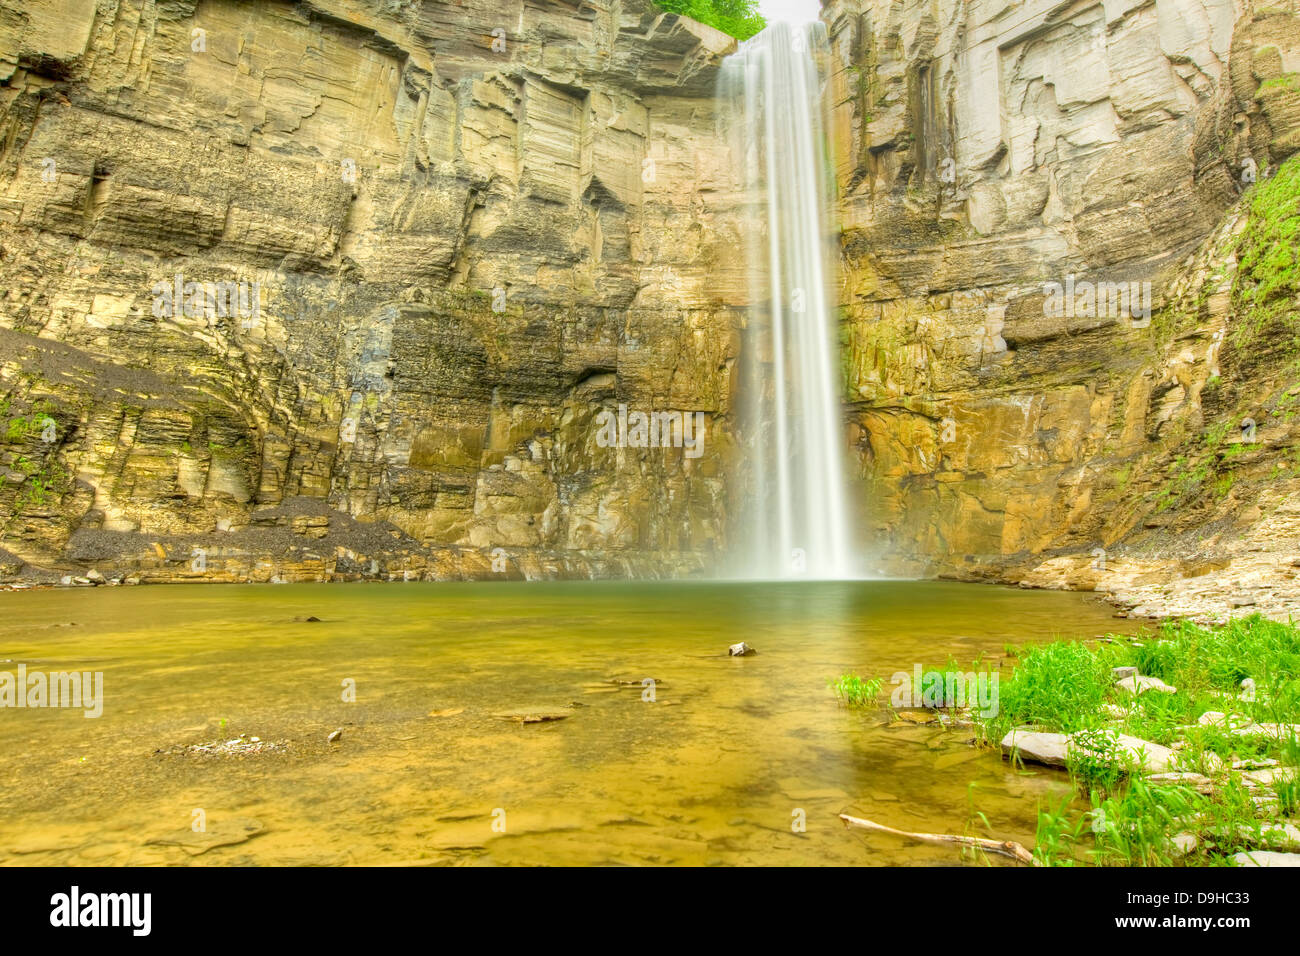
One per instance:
(1016, 178)
(339, 288)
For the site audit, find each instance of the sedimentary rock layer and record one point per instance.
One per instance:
(460, 231)
(994, 153)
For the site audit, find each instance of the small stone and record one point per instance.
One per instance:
(309, 619)
(740, 650)
(333, 738)
(1119, 673)
(1185, 843)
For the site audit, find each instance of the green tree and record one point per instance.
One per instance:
(737, 18)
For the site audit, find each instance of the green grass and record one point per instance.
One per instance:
(1115, 818)
(1268, 255)
(856, 692)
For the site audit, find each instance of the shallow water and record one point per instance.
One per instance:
(712, 771)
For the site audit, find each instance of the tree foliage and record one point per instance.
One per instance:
(737, 18)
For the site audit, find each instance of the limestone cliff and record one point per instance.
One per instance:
(459, 230)
(992, 152)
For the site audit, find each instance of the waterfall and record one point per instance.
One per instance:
(794, 517)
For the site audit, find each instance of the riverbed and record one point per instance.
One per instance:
(720, 761)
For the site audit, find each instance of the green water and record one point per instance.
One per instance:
(712, 771)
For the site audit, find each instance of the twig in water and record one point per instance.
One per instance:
(1006, 847)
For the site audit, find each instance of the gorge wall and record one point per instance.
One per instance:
(471, 226)
(991, 148)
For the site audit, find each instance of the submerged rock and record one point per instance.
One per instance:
(533, 716)
(447, 712)
(740, 650)
(216, 833)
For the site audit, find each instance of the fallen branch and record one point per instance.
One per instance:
(1006, 847)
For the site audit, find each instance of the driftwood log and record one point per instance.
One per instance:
(1005, 847)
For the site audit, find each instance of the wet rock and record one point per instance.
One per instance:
(447, 712)
(1038, 747)
(740, 650)
(309, 619)
(334, 736)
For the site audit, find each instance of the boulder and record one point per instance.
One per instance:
(1054, 750)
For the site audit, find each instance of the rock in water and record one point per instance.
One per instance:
(1054, 750)
(334, 737)
(740, 650)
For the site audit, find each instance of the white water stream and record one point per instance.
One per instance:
(795, 516)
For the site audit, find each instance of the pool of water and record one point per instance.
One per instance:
(714, 770)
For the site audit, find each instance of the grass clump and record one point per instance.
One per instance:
(855, 691)
(1248, 785)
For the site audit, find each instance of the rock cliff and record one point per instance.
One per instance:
(994, 155)
(335, 289)
(339, 288)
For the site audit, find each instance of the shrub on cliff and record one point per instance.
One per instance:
(737, 18)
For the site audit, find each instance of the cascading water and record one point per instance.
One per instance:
(795, 520)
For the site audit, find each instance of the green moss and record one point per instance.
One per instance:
(1290, 82)
(1268, 256)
